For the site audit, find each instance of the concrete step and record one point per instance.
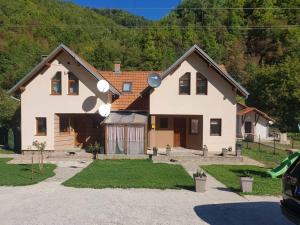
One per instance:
(210, 159)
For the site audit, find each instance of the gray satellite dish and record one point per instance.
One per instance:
(154, 80)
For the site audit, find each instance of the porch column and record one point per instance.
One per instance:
(152, 131)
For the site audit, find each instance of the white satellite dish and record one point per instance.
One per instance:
(154, 80)
(103, 86)
(104, 110)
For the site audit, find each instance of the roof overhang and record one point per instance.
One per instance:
(252, 109)
(45, 63)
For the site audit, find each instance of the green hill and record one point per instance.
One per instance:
(256, 40)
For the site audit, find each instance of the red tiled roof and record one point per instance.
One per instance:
(251, 109)
(139, 83)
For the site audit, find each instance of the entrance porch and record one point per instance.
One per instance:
(77, 131)
(176, 131)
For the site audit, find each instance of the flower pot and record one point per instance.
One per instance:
(200, 183)
(238, 152)
(224, 151)
(205, 152)
(168, 152)
(246, 184)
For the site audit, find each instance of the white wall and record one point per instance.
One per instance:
(219, 103)
(261, 128)
(37, 101)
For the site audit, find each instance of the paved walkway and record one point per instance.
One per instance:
(50, 203)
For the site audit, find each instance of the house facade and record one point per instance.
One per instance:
(252, 124)
(195, 105)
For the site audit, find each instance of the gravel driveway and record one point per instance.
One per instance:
(51, 203)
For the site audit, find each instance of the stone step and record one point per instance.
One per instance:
(211, 159)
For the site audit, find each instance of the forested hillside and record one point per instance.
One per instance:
(257, 40)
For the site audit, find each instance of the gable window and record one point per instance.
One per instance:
(127, 87)
(56, 84)
(185, 84)
(41, 126)
(201, 84)
(194, 126)
(163, 123)
(73, 84)
(215, 127)
(64, 124)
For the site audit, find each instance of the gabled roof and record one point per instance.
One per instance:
(212, 63)
(139, 80)
(88, 67)
(252, 109)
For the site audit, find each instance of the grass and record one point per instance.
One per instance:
(229, 175)
(131, 174)
(264, 155)
(20, 174)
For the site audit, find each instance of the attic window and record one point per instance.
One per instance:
(56, 84)
(127, 86)
(185, 84)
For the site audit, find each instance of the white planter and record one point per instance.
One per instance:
(200, 183)
(246, 184)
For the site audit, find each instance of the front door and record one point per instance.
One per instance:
(248, 127)
(179, 132)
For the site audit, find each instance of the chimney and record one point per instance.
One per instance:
(117, 66)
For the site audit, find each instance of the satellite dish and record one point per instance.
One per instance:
(104, 110)
(103, 86)
(154, 80)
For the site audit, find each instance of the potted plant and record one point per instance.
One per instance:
(168, 150)
(200, 180)
(155, 150)
(224, 151)
(94, 149)
(238, 150)
(246, 182)
(205, 151)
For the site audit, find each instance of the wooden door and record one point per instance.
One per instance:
(179, 132)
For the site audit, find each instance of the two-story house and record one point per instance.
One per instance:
(195, 105)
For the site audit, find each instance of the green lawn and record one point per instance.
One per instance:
(264, 155)
(229, 175)
(131, 174)
(20, 174)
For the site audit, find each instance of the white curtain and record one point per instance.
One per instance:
(115, 139)
(135, 140)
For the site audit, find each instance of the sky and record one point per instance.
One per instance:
(150, 9)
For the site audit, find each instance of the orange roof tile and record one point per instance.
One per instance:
(139, 83)
(250, 109)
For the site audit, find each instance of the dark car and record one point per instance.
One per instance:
(290, 204)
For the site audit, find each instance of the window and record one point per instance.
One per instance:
(127, 86)
(185, 84)
(64, 124)
(163, 123)
(201, 85)
(194, 126)
(41, 126)
(215, 127)
(73, 84)
(56, 84)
